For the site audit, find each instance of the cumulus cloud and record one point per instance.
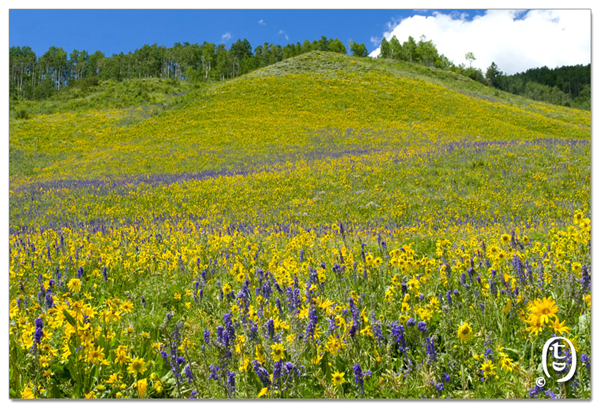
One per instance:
(262, 22)
(226, 36)
(514, 40)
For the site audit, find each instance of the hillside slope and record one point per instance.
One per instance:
(311, 105)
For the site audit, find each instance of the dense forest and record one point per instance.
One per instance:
(567, 85)
(39, 78)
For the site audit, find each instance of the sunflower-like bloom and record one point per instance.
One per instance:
(465, 332)
(544, 309)
(337, 378)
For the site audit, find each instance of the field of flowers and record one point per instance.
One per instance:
(327, 227)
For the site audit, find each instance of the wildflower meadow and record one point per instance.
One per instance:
(326, 227)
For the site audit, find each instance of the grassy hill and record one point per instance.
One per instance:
(306, 105)
(337, 198)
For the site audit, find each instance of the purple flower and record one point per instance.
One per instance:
(262, 373)
(312, 322)
(378, 333)
(39, 332)
(358, 377)
(213, 372)
(49, 300)
(397, 333)
(422, 326)
(430, 348)
(271, 328)
(188, 373)
(277, 371)
(535, 391)
(585, 360)
(231, 381)
(411, 322)
(585, 277)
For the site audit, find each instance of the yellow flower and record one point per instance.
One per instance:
(74, 285)
(28, 393)
(506, 307)
(535, 325)
(226, 289)
(113, 379)
(278, 351)
(337, 378)
(559, 327)
(544, 309)
(465, 332)
(488, 368)
(263, 392)
(95, 355)
(127, 306)
(137, 366)
(141, 387)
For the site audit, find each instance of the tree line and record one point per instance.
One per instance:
(37, 78)
(567, 85)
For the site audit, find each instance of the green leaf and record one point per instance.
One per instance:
(69, 318)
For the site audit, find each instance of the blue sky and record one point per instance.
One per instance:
(114, 31)
(515, 41)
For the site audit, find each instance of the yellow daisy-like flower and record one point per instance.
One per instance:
(505, 238)
(544, 309)
(465, 332)
(278, 352)
(559, 327)
(263, 392)
(337, 378)
(74, 285)
(535, 325)
(488, 368)
(95, 355)
(113, 379)
(137, 366)
(127, 306)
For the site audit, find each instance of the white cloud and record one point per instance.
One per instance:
(281, 32)
(226, 36)
(514, 40)
(262, 22)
